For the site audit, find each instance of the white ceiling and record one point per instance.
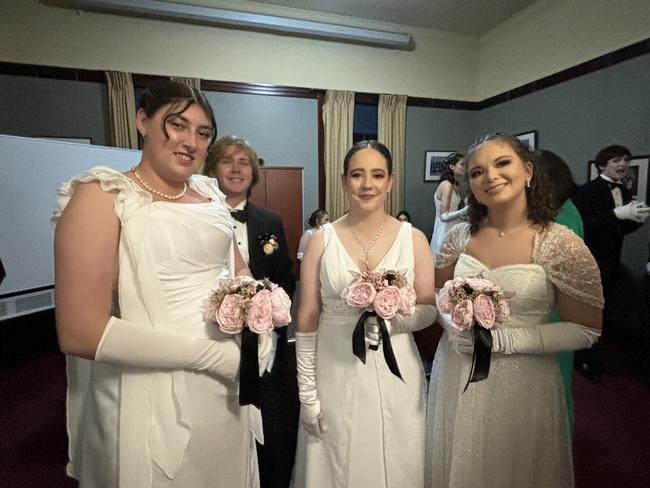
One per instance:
(462, 16)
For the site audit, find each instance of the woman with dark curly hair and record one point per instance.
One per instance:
(510, 429)
(449, 206)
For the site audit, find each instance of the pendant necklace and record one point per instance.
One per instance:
(156, 192)
(367, 247)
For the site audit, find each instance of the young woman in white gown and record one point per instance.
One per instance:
(447, 200)
(360, 424)
(152, 386)
(510, 430)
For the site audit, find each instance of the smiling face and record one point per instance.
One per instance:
(616, 168)
(497, 175)
(234, 172)
(367, 181)
(176, 140)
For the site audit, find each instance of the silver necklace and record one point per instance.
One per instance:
(156, 192)
(501, 233)
(367, 247)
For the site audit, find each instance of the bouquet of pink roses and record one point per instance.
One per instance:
(478, 304)
(253, 308)
(380, 294)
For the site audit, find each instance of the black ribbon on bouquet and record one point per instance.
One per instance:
(249, 371)
(359, 342)
(482, 355)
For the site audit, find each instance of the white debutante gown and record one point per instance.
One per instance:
(376, 421)
(510, 430)
(137, 427)
(441, 228)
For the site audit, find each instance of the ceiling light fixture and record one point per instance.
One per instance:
(247, 20)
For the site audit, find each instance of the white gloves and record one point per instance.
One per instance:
(421, 318)
(453, 215)
(130, 345)
(538, 339)
(372, 331)
(312, 416)
(266, 348)
(636, 211)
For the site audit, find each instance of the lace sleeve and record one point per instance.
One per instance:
(569, 265)
(453, 245)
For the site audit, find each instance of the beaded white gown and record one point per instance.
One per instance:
(510, 430)
(376, 421)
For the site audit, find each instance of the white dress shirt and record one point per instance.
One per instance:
(616, 191)
(241, 232)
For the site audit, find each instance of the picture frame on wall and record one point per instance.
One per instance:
(434, 164)
(635, 179)
(529, 138)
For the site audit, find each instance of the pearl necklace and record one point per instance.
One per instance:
(367, 247)
(156, 192)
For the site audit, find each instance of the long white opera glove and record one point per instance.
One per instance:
(266, 348)
(130, 345)
(372, 331)
(543, 339)
(453, 215)
(635, 211)
(312, 416)
(422, 317)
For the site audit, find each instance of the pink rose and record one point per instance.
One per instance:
(387, 302)
(280, 307)
(230, 314)
(484, 311)
(462, 316)
(503, 311)
(408, 297)
(260, 313)
(359, 295)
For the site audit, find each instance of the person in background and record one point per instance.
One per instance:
(260, 237)
(510, 429)
(316, 220)
(609, 214)
(557, 175)
(152, 385)
(361, 425)
(447, 200)
(403, 216)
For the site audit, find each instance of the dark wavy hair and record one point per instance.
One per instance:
(372, 144)
(556, 175)
(538, 195)
(448, 172)
(610, 152)
(180, 96)
(405, 214)
(316, 217)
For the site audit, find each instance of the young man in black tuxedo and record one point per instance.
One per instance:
(261, 240)
(609, 213)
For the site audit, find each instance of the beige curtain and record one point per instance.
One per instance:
(121, 103)
(338, 116)
(193, 82)
(392, 133)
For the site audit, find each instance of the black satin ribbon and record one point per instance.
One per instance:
(359, 343)
(240, 215)
(249, 377)
(482, 355)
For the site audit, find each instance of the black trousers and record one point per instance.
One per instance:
(280, 411)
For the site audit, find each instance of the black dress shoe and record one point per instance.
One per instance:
(590, 371)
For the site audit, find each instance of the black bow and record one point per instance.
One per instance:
(240, 215)
(614, 184)
(359, 343)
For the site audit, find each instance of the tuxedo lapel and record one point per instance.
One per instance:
(606, 192)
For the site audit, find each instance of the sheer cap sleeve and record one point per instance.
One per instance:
(453, 245)
(569, 264)
(208, 187)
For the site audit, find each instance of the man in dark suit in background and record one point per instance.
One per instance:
(260, 237)
(609, 213)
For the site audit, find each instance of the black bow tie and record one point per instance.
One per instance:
(614, 184)
(240, 215)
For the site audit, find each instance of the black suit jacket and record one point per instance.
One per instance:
(277, 267)
(603, 231)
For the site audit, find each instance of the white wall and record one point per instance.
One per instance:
(552, 35)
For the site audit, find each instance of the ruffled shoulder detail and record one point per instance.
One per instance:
(208, 187)
(109, 180)
(453, 245)
(569, 265)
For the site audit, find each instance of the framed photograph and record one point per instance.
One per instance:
(76, 140)
(636, 178)
(434, 164)
(529, 138)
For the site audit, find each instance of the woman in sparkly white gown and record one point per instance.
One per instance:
(511, 429)
(152, 386)
(360, 424)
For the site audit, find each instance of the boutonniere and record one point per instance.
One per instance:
(269, 243)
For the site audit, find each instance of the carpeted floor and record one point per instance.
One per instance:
(611, 448)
